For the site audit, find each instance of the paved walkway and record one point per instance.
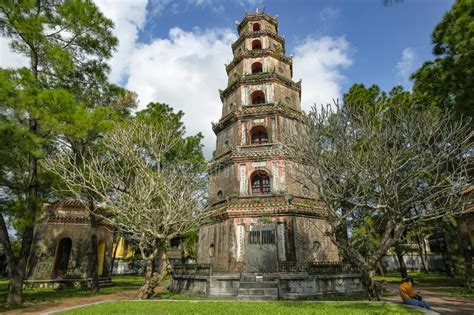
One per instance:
(70, 302)
(439, 301)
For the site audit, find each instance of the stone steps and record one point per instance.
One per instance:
(250, 289)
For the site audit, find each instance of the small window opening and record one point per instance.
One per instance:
(257, 67)
(256, 27)
(212, 250)
(258, 135)
(220, 195)
(317, 247)
(257, 97)
(261, 237)
(260, 183)
(256, 44)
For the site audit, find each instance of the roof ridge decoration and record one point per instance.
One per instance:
(257, 16)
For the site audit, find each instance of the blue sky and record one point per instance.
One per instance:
(377, 34)
(174, 51)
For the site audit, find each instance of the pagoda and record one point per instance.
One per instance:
(267, 221)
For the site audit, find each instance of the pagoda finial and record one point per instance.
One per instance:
(256, 11)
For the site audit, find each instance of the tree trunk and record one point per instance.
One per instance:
(93, 266)
(424, 266)
(153, 278)
(401, 261)
(368, 280)
(114, 255)
(445, 254)
(380, 268)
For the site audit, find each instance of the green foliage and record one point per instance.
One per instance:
(448, 80)
(188, 148)
(190, 243)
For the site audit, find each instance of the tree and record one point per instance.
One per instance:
(67, 43)
(448, 80)
(147, 192)
(403, 167)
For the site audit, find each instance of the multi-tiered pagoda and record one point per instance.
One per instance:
(268, 220)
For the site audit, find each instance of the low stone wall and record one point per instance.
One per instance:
(123, 267)
(290, 286)
(413, 262)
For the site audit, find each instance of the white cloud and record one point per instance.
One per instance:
(184, 71)
(319, 63)
(405, 67)
(329, 13)
(129, 18)
(9, 59)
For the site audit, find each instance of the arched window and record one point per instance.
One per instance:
(260, 183)
(61, 260)
(257, 67)
(257, 97)
(258, 135)
(256, 27)
(256, 44)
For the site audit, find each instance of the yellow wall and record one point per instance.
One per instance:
(123, 250)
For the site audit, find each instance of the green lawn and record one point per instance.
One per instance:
(190, 307)
(39, 296)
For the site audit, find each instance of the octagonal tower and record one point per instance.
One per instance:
(267, 221)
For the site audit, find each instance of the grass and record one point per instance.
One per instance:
(36, 296)
(434, 281)
(231, 307)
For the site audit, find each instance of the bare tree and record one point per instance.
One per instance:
(378, 175)
(143, 193)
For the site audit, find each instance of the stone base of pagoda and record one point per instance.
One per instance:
(287, 286)
(265, 243)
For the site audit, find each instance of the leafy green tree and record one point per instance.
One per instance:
(148, 178)
(448, 80)
(57, 100)
(189, 148)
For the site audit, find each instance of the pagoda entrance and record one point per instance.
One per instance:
(261, 250)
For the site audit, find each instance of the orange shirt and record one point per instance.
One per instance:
(406, 291)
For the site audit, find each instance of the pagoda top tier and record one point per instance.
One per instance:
(246, 25)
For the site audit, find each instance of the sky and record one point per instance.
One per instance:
(174, 51)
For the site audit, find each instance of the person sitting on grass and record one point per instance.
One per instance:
(409, 296)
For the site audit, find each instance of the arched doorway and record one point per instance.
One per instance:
(61, 261)
(258, 135)
(260, 182)
(100, 257)
(257, 97)
(257, 67)
(256, 44)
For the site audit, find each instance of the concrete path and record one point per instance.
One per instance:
(440, 302)
(71, 302)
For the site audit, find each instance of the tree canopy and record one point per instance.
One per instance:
(448, 80)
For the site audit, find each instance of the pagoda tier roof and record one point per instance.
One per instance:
(255, 153)
(273, 204)
(254, 110)
(71, 211)
(258, 53)
(258, 78)
(254, 34)
(257, 17)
